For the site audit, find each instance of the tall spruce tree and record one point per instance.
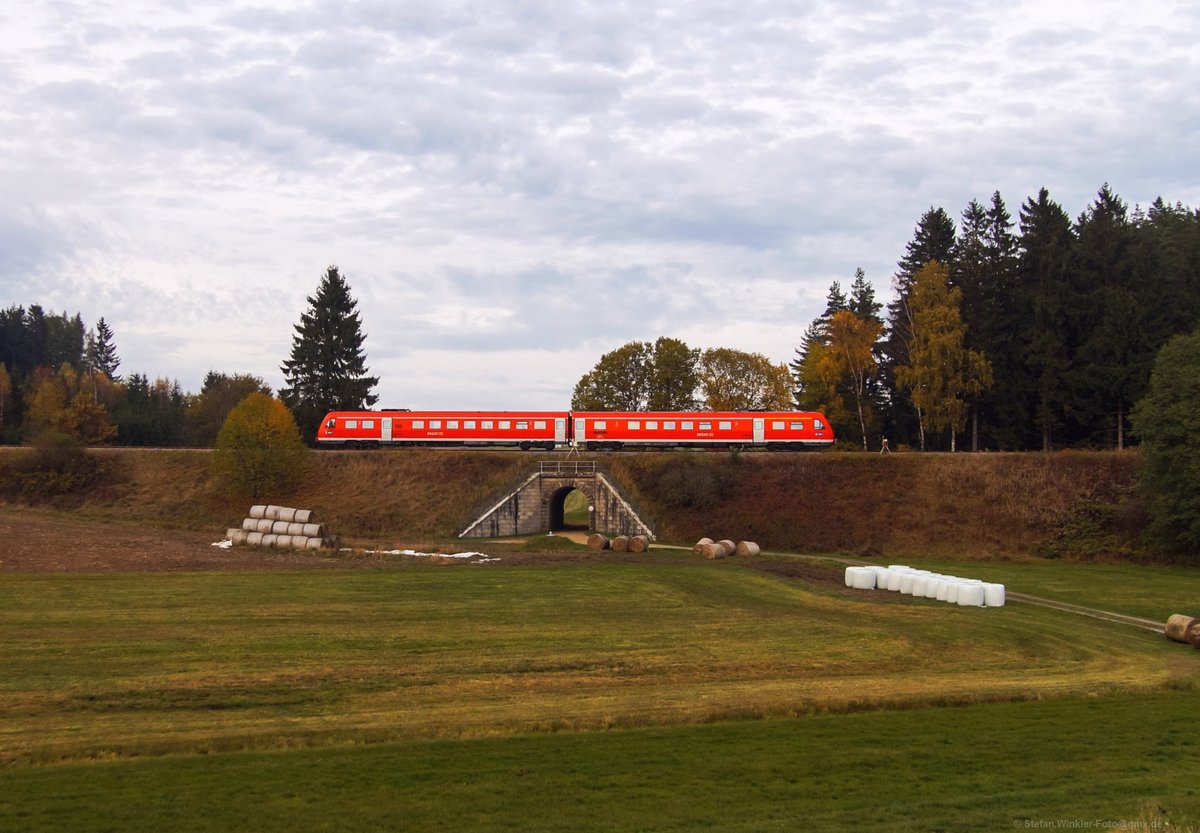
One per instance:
(1043, 267)
(101, 352)
(327, 370)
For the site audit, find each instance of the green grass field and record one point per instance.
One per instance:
(665, 695)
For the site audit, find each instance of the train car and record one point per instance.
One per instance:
(774, 430)
(490, 429)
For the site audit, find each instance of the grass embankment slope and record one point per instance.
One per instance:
(1070, 503)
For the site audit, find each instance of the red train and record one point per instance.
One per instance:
(593, 430)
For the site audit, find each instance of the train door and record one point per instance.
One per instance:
(759, 431)
(560, 431)
(580, 431)
(387, 430)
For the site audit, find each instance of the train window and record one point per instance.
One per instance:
(651, 426)
(669, 426)
(725, 426)
(539, 425)
(818, 424)
(469, 425)
(706, 426)
(452, 423)
(777, 425)
(435, 423)
(418, 423)
(505, 425)
(601, 425)
(331, 424)
(635, 425)
(488, 425)
(797, 426)
(522, 425)
(368, 423)
(688, 425)
(352, 423)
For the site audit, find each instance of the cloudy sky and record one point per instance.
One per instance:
(515, 188)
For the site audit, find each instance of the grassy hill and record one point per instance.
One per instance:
(1068, 503)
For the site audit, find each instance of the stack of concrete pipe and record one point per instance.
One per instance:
(281, 526)
(966, 592)
(724, 548)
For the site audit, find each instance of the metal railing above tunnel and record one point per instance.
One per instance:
(569, 468)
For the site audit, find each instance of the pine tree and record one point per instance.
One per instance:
(327, 370)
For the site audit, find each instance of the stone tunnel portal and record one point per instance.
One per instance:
(556, 509)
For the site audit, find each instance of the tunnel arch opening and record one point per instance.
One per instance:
(570, 509)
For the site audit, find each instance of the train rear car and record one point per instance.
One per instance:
(488, 429)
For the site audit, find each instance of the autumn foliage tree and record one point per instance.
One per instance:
(849, 360)
(734, 380)
(940, 371)
(259, 450)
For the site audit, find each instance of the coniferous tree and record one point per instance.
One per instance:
(101, 351)
(1045, 252)
(327, 369)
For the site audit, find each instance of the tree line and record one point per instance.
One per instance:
(1038, 333)
(58, 378)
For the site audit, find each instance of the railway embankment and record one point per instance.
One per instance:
(1067, 504)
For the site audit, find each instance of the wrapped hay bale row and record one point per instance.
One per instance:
(724, 548)
(965, 592)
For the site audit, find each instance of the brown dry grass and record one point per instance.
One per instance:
(932, 504)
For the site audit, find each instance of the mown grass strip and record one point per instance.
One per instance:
(985, 767)
(149, 664)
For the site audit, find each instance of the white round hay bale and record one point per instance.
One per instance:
(258, 512)
(881, 576)
(280, 527)
(971, 595)
(299, 542)
(745, 548)
(264, 526)
(286, 513)
(271, 513)
(993, 594)
(1177, 627)
(730, 547)
(283, 540)
(295, 529)
(269, 540)
(907, 580)
(254, 539)
(952, 592)
(236, 536)
(931, 585)
(920, 583)
(711, 551)
(943, 588)
(860, 578)
(313, 530)
(250, 524)
(893, 579)
(304, 516)
(313, 544)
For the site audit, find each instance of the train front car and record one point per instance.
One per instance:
(486, 429)
(774, 430)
